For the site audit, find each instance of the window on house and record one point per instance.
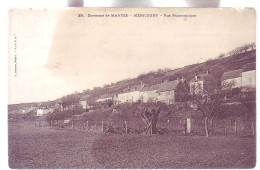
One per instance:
(250, 80)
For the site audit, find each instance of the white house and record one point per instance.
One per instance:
(43, 111)
(105, 97)
(83, 102)
(249, 75)
(232, 78)
(198, 82)
(130, 95)
(166, 91)
(149, 94)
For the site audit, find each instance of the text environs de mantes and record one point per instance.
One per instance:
(123, 15)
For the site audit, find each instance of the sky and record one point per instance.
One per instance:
(58, 53)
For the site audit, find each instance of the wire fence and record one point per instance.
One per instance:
(188, 126)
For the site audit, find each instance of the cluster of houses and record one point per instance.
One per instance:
(38, 111)
(41, 109)
(167, 91)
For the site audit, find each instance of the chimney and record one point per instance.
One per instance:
(207, 72)
(196, 77)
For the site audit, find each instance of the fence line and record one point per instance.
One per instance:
(176, 126)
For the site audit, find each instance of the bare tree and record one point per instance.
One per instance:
(150, 114)
(243, 49)
(208, 98)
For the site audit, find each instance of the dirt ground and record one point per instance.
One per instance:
(45, 147)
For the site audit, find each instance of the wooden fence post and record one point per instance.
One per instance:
(87, 125)
(253, 129)
(215, 128)
(125, 127)
(235, 127)
(188, 125)
(102, 127)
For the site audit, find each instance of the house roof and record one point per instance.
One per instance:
(27, 110)
(132, 89)
(84, 98)
(200, 77)
(145, 88)
(105, 96)
(153, 87)
(249, 67)
(232, 74)
(171, 85)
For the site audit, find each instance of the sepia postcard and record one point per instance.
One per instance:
(146, 88)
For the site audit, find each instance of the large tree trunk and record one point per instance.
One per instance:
(206, 127)
(151, 128)
(154, 130)
(150, 118)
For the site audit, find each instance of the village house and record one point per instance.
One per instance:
(130, 94)
(144, 94)
(249, 75)
(29, 110)
(171, 91)
(106, 99)
(59, 105)
(123, 96)
(232, 79)
(166, 92)
(149, 94)
(43, 111)
(83, 102)
(115, 99)
(198, 82)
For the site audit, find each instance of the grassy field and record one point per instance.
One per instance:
(44, 147)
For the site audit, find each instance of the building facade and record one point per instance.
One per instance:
(232, 79)
(249, 75)
(83, 102)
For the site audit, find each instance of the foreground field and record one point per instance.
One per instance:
(36, 147)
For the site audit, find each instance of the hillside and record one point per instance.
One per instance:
(216, 67)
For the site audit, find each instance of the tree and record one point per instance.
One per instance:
(166, 69)
(208, 98)
(243, 49)
(149, 113)
(221, 56)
